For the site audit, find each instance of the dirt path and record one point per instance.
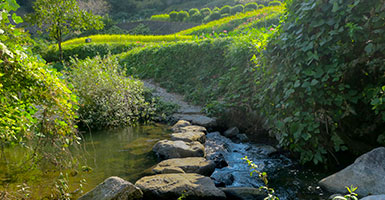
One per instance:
(186, 111)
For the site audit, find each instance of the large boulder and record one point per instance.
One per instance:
(198, 119)
(375, 197)
(231, 132)
(173, 186)
(197, 165)
(192, 128)
(367, 173)
(180, 124)
(189, 137)
(114, 188)
(178, 149)
(244, 193)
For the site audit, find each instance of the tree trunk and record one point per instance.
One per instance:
(60, 50)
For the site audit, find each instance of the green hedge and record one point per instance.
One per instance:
(83, 51)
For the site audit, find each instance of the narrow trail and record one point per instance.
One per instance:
(186, 111)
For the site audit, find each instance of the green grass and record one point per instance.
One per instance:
(127, 39)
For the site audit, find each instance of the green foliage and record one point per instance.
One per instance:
(351, 196)
(274, 3)
(161, 17)
(106, 97)
(251, 7)
(141, 29)
(82, 51)
(212, 16)
(205, 12)
(261, 17)
(225, 10)
(236, 9)
(216, 9)
(263, 177)
(197, 18)
(321, 73)
(127, 39)
(173, 16)
(35, 103)
(193, 11)
(182, 15)
(61, 17)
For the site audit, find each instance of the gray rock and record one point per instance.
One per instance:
(198, 119)
(180, 124)
(197, 165)
(114, 188)
(266, 149)
(242, 137)
(215, 148)
(167, 170)
(192, 128)
(244, 193)
(178, 149)
(231, 132)
(375, 197)
(367, 173)
(189, 137)
(173, 186)
(223, 179)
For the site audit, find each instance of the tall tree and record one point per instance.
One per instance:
(60, 17)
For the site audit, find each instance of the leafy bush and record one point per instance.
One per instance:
(141, 29)
(232, 22)
(250, 7)
(37, 107)
(205, 12)
(216, 9)
(261, 6)
(182, 15)
(193, 11)
(162, 17)
(107, 98)
(173, 16)
(197, 17)
(274, 3)
(225, 10)
(236, 9)
(83, 51)
(212, 16)
(324, 68)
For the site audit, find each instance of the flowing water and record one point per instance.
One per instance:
(127, 153)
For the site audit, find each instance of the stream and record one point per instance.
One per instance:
(127, 153)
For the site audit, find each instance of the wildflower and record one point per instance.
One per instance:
(225, 31)
(272, 29)
(137, 41)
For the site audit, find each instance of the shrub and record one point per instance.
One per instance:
(83, 51)
(193, 11)
(236, 9)
(141, 29)
(173, 16)
(162, 17)
(261, 6)
(205, 12)
(225, 15)
(250, 7)
(182, 16)
(225, 10)
(106, 97)
(274, 3)
(197, 18)
(216, 9)
(212, 16)
(319, 88)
